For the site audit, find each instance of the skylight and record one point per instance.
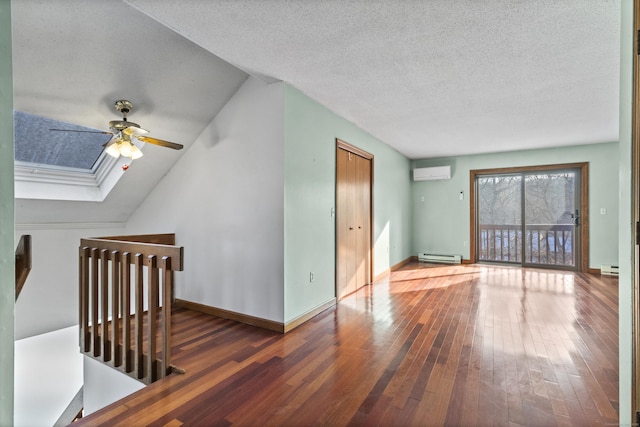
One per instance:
(54, 165)
(36, 143)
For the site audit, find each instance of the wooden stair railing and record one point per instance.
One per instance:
(23, 262)
(126, 292)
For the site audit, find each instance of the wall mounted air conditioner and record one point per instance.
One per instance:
(432, 173)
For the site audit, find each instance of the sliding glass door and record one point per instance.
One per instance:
(499, 213)
(529, 218)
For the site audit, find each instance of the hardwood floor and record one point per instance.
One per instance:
(430, 345)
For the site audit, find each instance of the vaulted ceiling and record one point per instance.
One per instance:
(73, 59)
(430, 78)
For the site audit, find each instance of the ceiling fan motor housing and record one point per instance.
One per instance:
(124, 107)
(119, 125)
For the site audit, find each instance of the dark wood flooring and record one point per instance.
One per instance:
(430, 345)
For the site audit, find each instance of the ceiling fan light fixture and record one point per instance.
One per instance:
(113, 149)
(123, 147)
(127, 149)
(136, 153)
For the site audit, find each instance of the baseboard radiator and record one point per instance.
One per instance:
(609, 270)
(444, 259)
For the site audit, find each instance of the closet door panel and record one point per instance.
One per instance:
(353, 221)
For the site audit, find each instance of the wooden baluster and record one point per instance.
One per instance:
(104, 311)
(116, 349)
(85, 336)
(139, 316)
(125, 295)
(167, 297)
(95, 342)
(153, 285)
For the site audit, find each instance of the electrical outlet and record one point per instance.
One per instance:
(312, 277)
(603, 211)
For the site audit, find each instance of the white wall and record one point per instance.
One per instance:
(224, 201)
(49, 298)
(310, 170)
(48, 376)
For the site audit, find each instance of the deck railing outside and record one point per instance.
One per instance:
(550, 244)
(126, 291)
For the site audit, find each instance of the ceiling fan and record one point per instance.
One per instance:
(123, 132)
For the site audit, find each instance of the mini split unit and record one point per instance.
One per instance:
(432, 173)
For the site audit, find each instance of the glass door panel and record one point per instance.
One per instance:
(500, 218)
(550, 218)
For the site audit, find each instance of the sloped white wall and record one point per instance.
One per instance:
(224, 201)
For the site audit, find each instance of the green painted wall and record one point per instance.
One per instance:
(625, 285)
(7, 260)
(441, 222)
(310, 133)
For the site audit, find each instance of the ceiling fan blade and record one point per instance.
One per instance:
(134, 131)
(160, 142)
(82, 131)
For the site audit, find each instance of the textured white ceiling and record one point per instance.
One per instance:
(432, 77)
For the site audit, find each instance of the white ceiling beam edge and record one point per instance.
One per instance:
(51, 183)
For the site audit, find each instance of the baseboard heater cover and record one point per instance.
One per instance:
(609, 270)
(445, 259)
